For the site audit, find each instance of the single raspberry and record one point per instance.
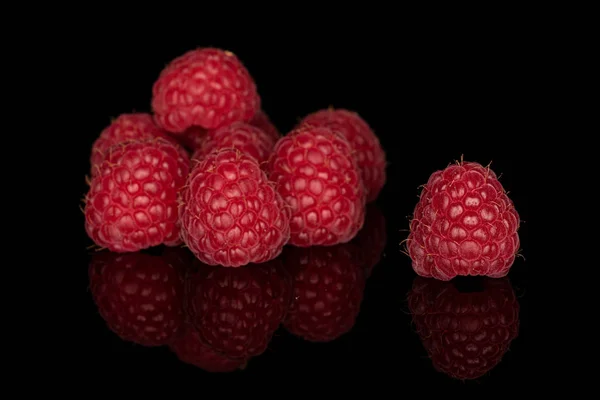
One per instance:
(261, 120)
(192, 138)
(140, 296)
(317, 177)
(369, 244)
(244, 137)
(328, 286)
(189, 347)
(465, 333)
(123, 128)
(367, 150)
(463, 224)
(230, 213)
(237, 310)
(205, 87)
(132, 200)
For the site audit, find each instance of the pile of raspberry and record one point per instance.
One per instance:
(271, 220)
(208, 170)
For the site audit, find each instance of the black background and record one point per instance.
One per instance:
(430, 99)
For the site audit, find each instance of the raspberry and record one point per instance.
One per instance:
(317, 177)
(140, 296)
(328, 286)
(261, 120)
(189, 347)
(132, 201)
(237, 310)
(369, 244)
(246, 138)
(193, 137)
(367, 150)
(465, 334)
(463, 224)
(230, 213)
(205, 87)
(124, 128)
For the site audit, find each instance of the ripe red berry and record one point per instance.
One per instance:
(193, 137)
(248, 139)
(237, 310)
(190, 348)
(230, 213)
(132, 200)
(205, 87)
(328, 286)
(463, 224)
(316, 175)
(261, 120)
(124, 128)
(465, 334)
(140, 296)
(367, 150)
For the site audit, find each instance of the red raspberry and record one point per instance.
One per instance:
(132, 200)
(466, 334)
(237, 310)
(369, 244)
(246, 138)
(463, 224)
(365, 144)
(230, 213)
(189, 347)
(124, 128)
(193, 137)
(328, 286)
(318, 178)
(204, 87)
(261, 120)
(140, 296)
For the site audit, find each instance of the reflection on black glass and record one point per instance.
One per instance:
(236, 311)
(218, 318)
(466, 325)
(139, 295)
(191, 348)
(370, 241)
(328, 287)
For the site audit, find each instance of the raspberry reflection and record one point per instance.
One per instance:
(466, 325)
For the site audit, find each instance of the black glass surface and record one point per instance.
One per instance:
(429, 107)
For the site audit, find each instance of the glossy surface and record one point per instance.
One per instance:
(347, 306)
(427, 110)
